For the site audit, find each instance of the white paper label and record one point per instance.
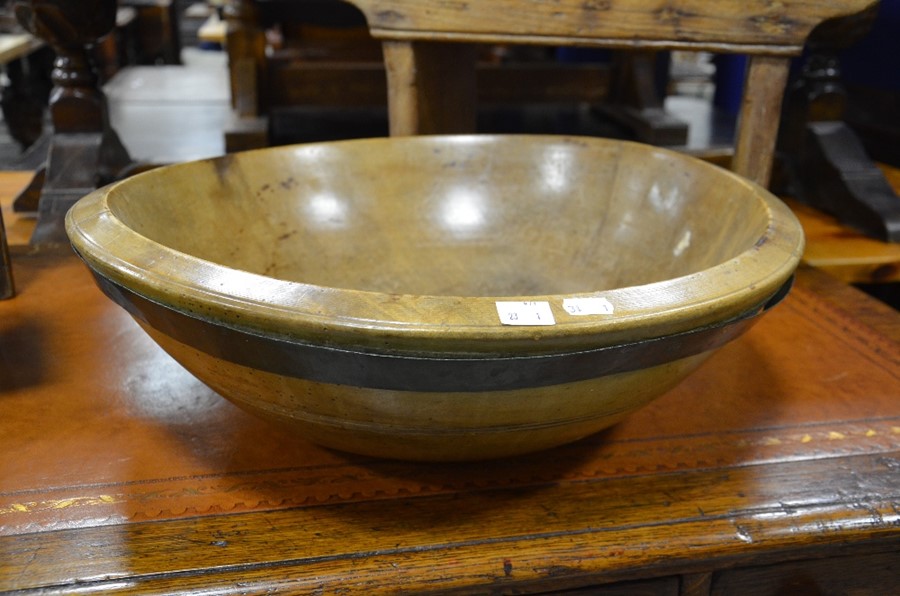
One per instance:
(587, 306)
(525, 313)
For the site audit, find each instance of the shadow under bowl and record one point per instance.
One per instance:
(441, 298)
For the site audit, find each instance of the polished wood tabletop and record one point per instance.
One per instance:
(773, 469)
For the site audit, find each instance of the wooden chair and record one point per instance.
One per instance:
(431, 83)
(323, 59)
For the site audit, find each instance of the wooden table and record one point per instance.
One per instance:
(773, 469)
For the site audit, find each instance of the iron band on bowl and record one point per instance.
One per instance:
(416, 373)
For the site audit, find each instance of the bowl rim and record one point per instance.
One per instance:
(445, 324)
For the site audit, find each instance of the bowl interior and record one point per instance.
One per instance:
(465, 216)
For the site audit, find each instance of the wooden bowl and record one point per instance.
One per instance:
(394, 297)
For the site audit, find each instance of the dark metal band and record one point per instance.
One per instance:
(412, 373)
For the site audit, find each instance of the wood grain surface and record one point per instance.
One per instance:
(774, 27)
(129, 474)
(425, 88)
(759, 117)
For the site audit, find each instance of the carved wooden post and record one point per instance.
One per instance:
(828, 164)
(84, 151)
(248, 127)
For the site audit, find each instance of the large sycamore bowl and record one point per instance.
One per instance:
(441, 298)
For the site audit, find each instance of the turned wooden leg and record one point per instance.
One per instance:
(84, 151)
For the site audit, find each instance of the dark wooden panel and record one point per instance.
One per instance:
(667, 586)
(874, 575)
(297, 83)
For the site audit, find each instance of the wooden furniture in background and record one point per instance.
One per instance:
(431, 83)
(120, 48)
(84, 151)
(156, 29)
(845, 253)
(827, 163)
(322, 56)
(636, 98)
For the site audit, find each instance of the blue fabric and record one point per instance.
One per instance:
(875, 60)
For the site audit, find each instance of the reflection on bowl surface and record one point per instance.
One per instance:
(451, 297)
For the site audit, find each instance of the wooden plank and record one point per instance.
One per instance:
(538, 83)
(733, 25)
(297, 83)
(326, 83)
(431, 86)
(563, 536)
(757, 127)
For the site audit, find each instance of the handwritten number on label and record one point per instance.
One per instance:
(525, 313)
(588, 306)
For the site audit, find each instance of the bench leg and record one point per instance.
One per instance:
(431, 87)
